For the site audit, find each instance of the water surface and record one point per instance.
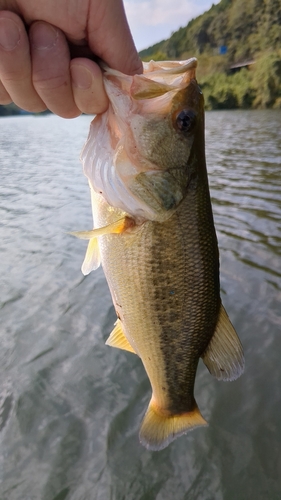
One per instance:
(70, 407)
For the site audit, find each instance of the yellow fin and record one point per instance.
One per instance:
(92, 257)
(224, 355)
(117, 338)
(119, 226)
(158, 429)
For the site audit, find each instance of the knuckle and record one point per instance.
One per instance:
(51, 82)
(11, 77)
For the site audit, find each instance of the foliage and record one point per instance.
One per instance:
(156, 56)
(267, 80)
(13, 109)
(251, 31)
(222, 91)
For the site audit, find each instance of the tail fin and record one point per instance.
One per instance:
(159, 430)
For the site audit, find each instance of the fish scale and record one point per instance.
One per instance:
(155, 238)
(182, 321)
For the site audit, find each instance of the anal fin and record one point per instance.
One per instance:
(117, 338)
(224, 355)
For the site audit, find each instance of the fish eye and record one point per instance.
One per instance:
(185, 120)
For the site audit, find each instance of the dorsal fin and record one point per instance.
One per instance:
(224, 355)
(117, 338)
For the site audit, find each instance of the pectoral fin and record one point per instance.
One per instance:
(92, 258)
(117, 338)
(119, 226)
(224, 355)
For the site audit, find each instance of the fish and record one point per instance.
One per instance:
(155, 238)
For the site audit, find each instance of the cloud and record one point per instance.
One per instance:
(155, 12)
(153, 20)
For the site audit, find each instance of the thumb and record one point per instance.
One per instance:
(109, 36)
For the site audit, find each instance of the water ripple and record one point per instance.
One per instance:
(69, 405)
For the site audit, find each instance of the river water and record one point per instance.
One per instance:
(70, 407)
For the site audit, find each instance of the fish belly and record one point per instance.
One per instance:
(164, 281)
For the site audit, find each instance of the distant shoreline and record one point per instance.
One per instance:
(13, 110)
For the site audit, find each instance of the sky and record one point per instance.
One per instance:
(154, 20)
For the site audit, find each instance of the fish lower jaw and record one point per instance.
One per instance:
(135, 208)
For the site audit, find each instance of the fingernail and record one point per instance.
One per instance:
(9, 34)
(43, 36)
(81, 77)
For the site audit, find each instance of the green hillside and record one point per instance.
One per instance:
(233, 32)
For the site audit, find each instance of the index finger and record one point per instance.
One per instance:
(15, 64)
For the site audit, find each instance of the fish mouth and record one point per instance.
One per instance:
(172, 68)
(161, 77)
(164, 72)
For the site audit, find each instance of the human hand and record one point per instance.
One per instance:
(46, 52)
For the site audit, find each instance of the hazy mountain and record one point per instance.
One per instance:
(230, 33)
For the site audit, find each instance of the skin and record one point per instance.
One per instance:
(164, 280)
(172, 274)
(163, 269)
(49, 49)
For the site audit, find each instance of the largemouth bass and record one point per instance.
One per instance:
(154, 235)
